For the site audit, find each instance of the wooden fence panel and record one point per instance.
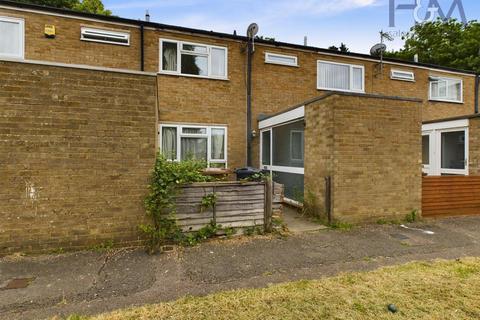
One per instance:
(450, 195)
(238, 204)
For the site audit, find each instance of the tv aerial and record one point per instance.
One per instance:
(379, 49)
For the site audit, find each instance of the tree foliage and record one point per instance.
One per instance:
(343, 48)
(448, 43)
(90, 6)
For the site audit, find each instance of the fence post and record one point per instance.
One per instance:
(268, 204)
(328, 198)
(214, 207)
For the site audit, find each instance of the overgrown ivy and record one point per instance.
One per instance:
(166, 178)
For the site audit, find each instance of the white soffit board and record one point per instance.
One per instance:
(445, 125)
(287, 116)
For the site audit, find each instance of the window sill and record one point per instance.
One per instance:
(340, 90)
(404, 80)
(105, 42)
(283, 64)
(445, 101)
(192, 76)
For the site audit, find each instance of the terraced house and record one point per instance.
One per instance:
(86, 101)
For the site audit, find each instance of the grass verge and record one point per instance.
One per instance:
(420, 290)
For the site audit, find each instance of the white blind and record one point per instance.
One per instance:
(333, 76)
(11, 38)
(218, 62)
(357, 83)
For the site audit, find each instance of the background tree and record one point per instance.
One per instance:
(91, 6)
(343, 48)
(448, 43)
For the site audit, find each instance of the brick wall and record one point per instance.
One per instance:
(204, 101)
(372, 150)
(209, 101)
(67, 47)
(75, 153)
(474, 146)
(276, 87)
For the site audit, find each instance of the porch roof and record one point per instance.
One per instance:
(264, 117)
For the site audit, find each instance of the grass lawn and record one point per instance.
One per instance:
(437, 290)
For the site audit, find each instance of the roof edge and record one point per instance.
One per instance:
(339, 93)
(221, 35)
(468, 116)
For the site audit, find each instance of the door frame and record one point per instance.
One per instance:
(434, 131)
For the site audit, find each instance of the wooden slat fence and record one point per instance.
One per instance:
(238, 205)
(450, 195)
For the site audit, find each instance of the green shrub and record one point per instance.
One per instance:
(166, 178)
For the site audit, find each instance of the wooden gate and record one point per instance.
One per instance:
(450, 195)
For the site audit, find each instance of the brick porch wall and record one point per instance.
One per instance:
(371, 147)
(474, 146)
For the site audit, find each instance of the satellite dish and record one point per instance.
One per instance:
(378, 49)
(252, 30)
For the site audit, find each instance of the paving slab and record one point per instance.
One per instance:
(296, 223)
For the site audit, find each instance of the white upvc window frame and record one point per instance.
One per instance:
(434, 131)
(432, 78)
(179, 59)
(270, 167)
(207, 135)
(396, 74)
(292, 132)
(21, 23)
(351, 66)
(122, 33)
(269, 55)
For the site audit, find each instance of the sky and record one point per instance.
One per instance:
(356, 23)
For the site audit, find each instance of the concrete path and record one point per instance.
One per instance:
(92, 282)
(298, 224)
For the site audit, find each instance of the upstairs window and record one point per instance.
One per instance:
(446, 89)
(105, 36)
(191, 59)
(184, 142)
(12, 37)
(282, 59)
(340, 76)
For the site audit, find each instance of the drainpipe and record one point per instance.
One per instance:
(477, 87)
(142, 49)
(249, 100)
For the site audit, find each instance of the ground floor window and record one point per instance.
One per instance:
(183, 142)
(445, 148)
(282, 153)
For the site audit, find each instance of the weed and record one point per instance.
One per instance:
(339, 225)
(208, 202)
(193, 238)
(229, 232)
(412, 216)
(104, 246)
(383, 221)
(249, 231)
